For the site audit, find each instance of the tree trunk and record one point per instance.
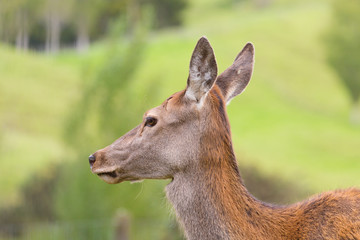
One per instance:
(26, 38)
(82, 41)
(19, 39)
(22, 36)
(355, 113)
(25, 35)
(47, 40)
(53, 27)
(262, 3)
(54, 32)
(122, 225)
(20, 25)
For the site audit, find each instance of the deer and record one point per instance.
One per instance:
(187, 140)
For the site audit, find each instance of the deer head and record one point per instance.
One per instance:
(173, 136)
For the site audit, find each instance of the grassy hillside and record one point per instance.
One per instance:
(36, 91)
(291, 121)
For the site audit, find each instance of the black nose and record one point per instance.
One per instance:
(92, 159)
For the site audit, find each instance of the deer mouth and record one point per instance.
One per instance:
(111, 177)
(112, 174)
(114, 177)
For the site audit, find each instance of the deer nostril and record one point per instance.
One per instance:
(92, 160)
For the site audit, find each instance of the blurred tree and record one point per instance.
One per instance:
(123, 56)
(11, 13)
(98, 119)
(7, 21)
(21, 13)
(27, 14)
(167, 12)
(16, 20)
(343, 49)
(20, 19)
(55, 12)
(85, 13)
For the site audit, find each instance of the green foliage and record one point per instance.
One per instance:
(168, 13)
(99, 111)
(94, 118)
(37, 203)
(343, 46)
(104, 111)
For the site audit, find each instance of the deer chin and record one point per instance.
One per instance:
(110, 177)
(114, 177)
(107, 175)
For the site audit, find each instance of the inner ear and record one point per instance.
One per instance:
(235, 78)
(202, 71)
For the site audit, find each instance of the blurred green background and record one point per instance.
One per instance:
(75, 75)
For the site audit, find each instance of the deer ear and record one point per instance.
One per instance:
(202, 72)
(234, 79)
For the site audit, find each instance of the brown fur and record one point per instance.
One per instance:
(332, 215)
(191, 144)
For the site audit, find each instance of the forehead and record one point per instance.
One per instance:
(174, 103)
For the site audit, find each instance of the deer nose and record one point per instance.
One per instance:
(92, 160)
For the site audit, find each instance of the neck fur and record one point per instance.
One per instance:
(210, 199)
(215, 204)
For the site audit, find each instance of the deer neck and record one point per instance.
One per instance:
(211, 201)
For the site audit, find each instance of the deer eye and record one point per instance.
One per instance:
(150, 121)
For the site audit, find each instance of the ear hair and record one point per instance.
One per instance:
(202, 71)
(235, 78)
